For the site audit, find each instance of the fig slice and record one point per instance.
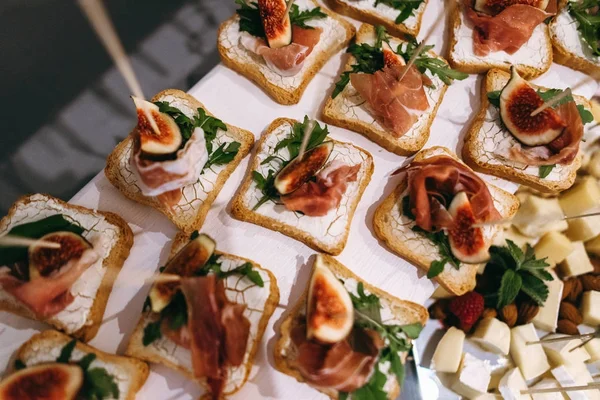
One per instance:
(329, 312)
(297, 172)
(169, 138)
(46, 381)
(188, 260)
(390, 57)
(44, 261)
(278, 29)
(517, 101)
(494, 7)
(467, 243)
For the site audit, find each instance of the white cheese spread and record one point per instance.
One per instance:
(564, 30)
(386, 12)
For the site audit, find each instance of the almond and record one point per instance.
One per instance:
(570, 312)
(489, 313)
(596, 263)
(527, 312)
(567, 327)
(573, 288)
(509, 314)
(590, 282)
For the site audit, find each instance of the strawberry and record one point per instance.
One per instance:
(467, 308)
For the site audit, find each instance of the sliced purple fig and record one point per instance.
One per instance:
(467, 242)
(44, 261)
(494, 7)
(517, 101)
(277, 25)
(299, 171)
(391, 58)
(167, 140)
(46, 381)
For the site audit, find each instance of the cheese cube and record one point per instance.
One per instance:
(448, 353)
(537, 216)
(554, 246)
(511, 385)
(547, 317)
(547, 383)
(583, 228)
(486, 396)
(441, 293)
(566, 352)
(582, 197)
(576, 375)
(493, 335)
(593, 349)
(517, 237)
(577, 262)
(530, 358)
(590, 308)
(472, 378)
(593, 246)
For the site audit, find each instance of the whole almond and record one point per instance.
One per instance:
(489, 313)
(590, 282)
(576, 290)
(567, 288)
(509, 314)
(567, 327)
(527, 312)
(570, 312)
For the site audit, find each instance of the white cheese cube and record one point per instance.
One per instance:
(517, 237)
(493, 335)
(547, 383)
(582, 197)
(593, 349)
(554, 246)
(590, 308)
(448, 353)
(498, 371)
(530, 358)
(486, 396)
(472, 378)
(583, 228)
(547, 317)
(441, 293)
(511, 385)
(593, 246)
(577, 262)
(537, 216)
(576, 375)
(566, 352)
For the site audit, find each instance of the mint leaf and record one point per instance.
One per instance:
(509, 288)
(545, 170)
(152, 332)
(535, 288)
(66, 352)
(516, 253)
(300, 18)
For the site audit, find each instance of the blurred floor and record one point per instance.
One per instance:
(65, 104)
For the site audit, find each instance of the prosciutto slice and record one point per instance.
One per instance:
(287, 60)
(395, 104)
(316, 198)
(561, 150)
(432, 183)
(507, 31)
(345, 366)
(47, 296)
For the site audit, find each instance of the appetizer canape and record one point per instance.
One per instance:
(281, 53)
(346, 338)
(181, 169)
(310, 198)
(486, 34)
(429, 218)
(370, 100)
(206, 318)
(66, 287)
(574, 34)
(505, 140)
(53, 366)
(398, 17)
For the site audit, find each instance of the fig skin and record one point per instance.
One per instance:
(299, 171)
(156, 145)
(44, 261)
(278, 29)
(47, 381)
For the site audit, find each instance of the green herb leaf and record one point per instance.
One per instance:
(210, 126)
(250, 18)
(369, 59)
(19, 365)
(586, 116)
(194, 235)
(407, 8)
(509, 288)
(85, 362)
(425, 62)
(224, 154)
(412, 330)
(186, 125)
(369, 305)
(494, 98)
(152, 332)
(545, 170)
(516, 253)
(436, 268)
(267, 186)
(535, 288)
(294, 141)
(406, 211)
(66, 352)
(343, 396)
(300, 18)
(373, 390)
(588, 23)
(440, 239)
(99, 384)
(215, 266)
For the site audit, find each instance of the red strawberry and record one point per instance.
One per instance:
(467, 308)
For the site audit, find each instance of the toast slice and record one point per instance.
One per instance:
(261, 302)
(348, 111)
(197, 198)
(487, 133)
(532, 59)
(336, 35)
(394, 311)
(395, 230)
(569, 48)
(328, 233)
(82, 318)
(45, 347)
(381, 14)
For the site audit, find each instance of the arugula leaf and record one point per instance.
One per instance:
(247, 269)
(186, 125)
(588, 24)
(300, 18)
(267, 187)
(224, 154)
(66, 352)
(210, 126)
(407, 8)
(494, 98)
(250, 18)
(99, 384)
(193, 236)
(367, 304)
(424, 63)
(545, 170)
(412, 330)
(85, 362)
(440, 239)
(374, 389)
(19, 365)
(406, 208)
(369, 59)
(435, 268)
(586, 116)
(152, 332)
(509, 288)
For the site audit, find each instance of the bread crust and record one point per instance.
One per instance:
(135, 347)
(114, 174)
(409, 311)
(526, 71)
(241, 212)
(383, 230)
(279, 94)
(333, 115)
(112, 263)
(375, 18)
(472, 145)
(137, 369)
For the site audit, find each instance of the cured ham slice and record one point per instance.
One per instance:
(345, 366)
(46, 296)
(432, 183)
(316, 198)
(287, 60)
(395, 104)
(506, 31)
